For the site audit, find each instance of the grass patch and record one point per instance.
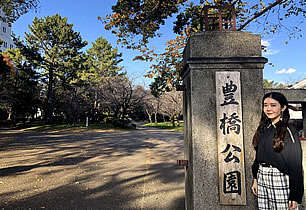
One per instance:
(40, 127)
(166, 125)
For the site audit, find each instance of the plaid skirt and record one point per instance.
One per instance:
(273, 188)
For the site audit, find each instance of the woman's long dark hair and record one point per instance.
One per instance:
(281, 128)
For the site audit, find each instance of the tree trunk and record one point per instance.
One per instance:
(155, 118)
(50, 97)
(149, 116)
(9, 114)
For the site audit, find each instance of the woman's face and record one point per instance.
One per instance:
(272, 109)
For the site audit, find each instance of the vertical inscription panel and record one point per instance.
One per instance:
(230, 139)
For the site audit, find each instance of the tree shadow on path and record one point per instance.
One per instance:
(90, 170)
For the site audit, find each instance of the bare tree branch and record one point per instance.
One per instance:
(256, 15)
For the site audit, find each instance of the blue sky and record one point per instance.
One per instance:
(288, 59)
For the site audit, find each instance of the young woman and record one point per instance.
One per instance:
(277, 169)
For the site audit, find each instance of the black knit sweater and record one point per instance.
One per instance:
(288, 161)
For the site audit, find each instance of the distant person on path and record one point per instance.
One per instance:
(277, 169)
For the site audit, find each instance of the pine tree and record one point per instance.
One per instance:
(54, 47)
(102, 63)
(103, 60)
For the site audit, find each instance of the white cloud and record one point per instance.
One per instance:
(285, 71)
(291, 70)
(265, 43)
(267, 48)
(270, 52)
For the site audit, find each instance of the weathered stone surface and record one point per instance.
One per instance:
(222, 44)
(205, 54)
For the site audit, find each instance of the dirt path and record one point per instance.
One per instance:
(91, 170)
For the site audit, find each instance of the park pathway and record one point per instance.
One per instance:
(131, 169)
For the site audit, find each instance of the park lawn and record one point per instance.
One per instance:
(166, 125)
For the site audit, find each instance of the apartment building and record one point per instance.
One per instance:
(5, 33)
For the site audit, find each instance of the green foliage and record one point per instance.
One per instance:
(101, 66)
(56, 44)
(273, 84)
(135, 22)
(15, 8)
(102, 61)
(21, 90)
(140, 17)
(53, 47)
(168, 66)
(65, 84)
(191, 16)
(160, 85)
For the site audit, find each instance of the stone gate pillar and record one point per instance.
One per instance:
(206, 54)
(304, 118)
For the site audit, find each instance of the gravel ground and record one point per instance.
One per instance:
(132, 169)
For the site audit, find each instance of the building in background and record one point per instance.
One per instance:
(299, 84)
(296, 114)
(5, 33)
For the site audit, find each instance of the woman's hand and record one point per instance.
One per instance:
(255, 187)
(292, 204)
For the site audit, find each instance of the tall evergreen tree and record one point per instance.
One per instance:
(54, 47)
(103, 60)
(102, 64)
